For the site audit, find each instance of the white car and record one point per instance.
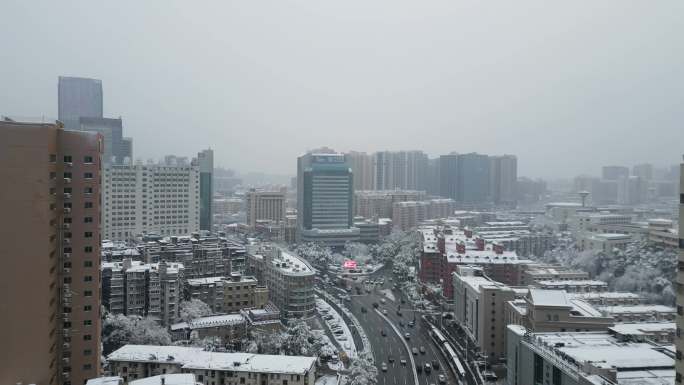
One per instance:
(384, 367)
(384, 311)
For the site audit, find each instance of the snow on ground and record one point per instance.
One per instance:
(327, 380)
(388, 293)
(345, 339)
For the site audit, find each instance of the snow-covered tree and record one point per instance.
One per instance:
(119, 330)
(318, 255)
(363, 371)
(301, 340)
(192, 309)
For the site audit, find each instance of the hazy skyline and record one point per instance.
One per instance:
(567, 87)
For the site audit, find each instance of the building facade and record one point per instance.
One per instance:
(325, 199)
(78, 97)
(205, 163)
(289, 278)
(679, 341)
(160, 198)
(212, 368)
(267, 206)
(51, 184)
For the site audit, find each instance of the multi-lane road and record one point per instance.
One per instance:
(389, 342)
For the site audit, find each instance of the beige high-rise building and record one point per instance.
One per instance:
(362, 169)
(265, 206)
(679, 341)
(50, 280)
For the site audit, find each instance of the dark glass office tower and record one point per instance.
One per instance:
(78, 97)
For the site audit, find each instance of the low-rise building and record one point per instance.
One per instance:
(229, 327)
(662, 232)
(608, 298)
(639, 313)
(589, 358)
(658, 332)
(132, 362)
(604, 242)
(574, 286)
(554, 311)
(536, 273)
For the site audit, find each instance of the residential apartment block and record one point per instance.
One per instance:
(289, 278)
(148, 290)
(138, 361)
(159, 198)
(228, 294)
(50, 299)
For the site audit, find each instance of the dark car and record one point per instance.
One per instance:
(382, 333)
(363, 310)
(419, 368)
(390, 359)
(398, 313)
(435, 364)
(376, 305)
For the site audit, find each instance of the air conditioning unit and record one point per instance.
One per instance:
(66, 345)
(67, 270)
(67, 226)
(67, 180)
(67, 210)
(66, 331)
(67, 255)
(67, 195)
(65, 360)
(67, 241)
(68, 164)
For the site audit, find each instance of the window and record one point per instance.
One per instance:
(87, 159)
(87, 352)
(67, 280)
(88, 278)
(87, 263)
(88, 293)
(67, 159)
(88, 175)
(88, 234)
(88, 220)
(87, 308)
(53, 158)
(88, 249)
(87, 337)
(67, 175)
(87, 322)
(88, 190)
(88, 205)
(67, 190)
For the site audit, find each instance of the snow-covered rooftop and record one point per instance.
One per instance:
(105, 381)
(643, 328)
(637, 309)
(290, 263)
(572, 282)
(196, 358)
(167, 379)
(542, 297)
(204, 281)
(605, 295)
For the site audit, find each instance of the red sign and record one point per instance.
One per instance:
(349, 264)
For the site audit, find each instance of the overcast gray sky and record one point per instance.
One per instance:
(566, 86)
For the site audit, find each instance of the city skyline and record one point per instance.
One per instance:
(476, 95)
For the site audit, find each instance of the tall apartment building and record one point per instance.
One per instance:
(643, 171)
(78, 97)
(205, 162)
(405, 170)
(679, 341)
(448, 176)
(325, 199)
(362, 169)
(228, 294)
(50, 329)
(289, 279)
(503, 178)
(408, 215)
(265, 206)
(614, 172)
(473, 178)
(159, 198)
(144, 289)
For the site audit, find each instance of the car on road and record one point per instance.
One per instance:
(390, 359)
(363, 310)
(489, 375)
(412, 324)
(338, 332)
(328, 317)
(382, 333)
(403, 361)
(384, 367)
(398, 313)
(341, 338)
(382, 301)
(375, 305)
(422, 350)
(407, 336)
(419, 368)
(384, 311)
(442, 379)
(428, 368)
(414, 351)
(435, 364)
(402, 301)
(401, 324)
